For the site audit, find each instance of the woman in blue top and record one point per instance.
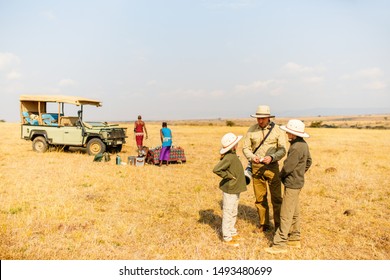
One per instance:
(166, 140)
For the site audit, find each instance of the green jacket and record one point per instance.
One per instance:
(298, 161)
(230, 169)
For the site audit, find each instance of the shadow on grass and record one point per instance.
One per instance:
(210, 218)
(246, 213)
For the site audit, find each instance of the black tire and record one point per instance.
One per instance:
(95, 146)
(40, 145)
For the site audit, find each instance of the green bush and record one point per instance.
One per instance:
(316, 124)
(230, 123)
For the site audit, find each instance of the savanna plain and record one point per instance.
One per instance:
(63, 206)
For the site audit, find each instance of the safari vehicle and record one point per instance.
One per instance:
(45, 123)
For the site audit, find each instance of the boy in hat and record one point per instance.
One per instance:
(232, 184)
(298, 161)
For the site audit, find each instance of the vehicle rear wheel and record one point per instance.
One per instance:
(95, 146)
(39, 144)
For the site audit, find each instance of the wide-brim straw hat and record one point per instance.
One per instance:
(263, 111)
(295, 127)
(228, 141)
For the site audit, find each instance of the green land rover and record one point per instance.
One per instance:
(45, 123)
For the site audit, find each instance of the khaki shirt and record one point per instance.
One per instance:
(274, 145)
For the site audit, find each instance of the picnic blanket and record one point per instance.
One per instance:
(177, 155)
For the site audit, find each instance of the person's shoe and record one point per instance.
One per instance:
(232, 243)
(275, 250)
(294, 243)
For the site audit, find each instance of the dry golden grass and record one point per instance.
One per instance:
(62, 205)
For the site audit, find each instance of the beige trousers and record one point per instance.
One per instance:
(289, 216)
(263, 176)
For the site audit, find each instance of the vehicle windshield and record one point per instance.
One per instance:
(95, 123)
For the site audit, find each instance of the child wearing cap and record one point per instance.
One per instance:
(230, 169)
(296, 164)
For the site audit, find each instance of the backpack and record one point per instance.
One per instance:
(102, 157)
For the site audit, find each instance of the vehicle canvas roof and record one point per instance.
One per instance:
(76, 100)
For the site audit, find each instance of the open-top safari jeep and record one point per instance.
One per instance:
(45, 123)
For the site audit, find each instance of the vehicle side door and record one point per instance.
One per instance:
(72, 135)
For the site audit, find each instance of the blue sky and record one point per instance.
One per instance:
(198, 59)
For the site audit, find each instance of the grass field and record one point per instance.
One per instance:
(62, 205)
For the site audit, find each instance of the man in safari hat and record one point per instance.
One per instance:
(296, 164)
(264, 145)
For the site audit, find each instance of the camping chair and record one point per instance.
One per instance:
(28, 119)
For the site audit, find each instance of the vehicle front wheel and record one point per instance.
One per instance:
(95, 146)
(39, 144)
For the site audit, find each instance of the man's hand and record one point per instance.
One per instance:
(256, 159)
(265, 160)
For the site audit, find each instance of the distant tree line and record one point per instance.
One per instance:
(319, 124)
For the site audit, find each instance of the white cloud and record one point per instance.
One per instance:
(313, 79)
(191, 93)
(376, 85)
(151, 82)
(301, 74)
(49, 15)
(371, 78)
(13, 75)
(184, 94)
(298, 68)
(217, 93)
(227, 4)
(260, 86)
(369, 73)
(67, 82)
(346, 77)
(277, 91)
(9, 64)
(8, 61)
